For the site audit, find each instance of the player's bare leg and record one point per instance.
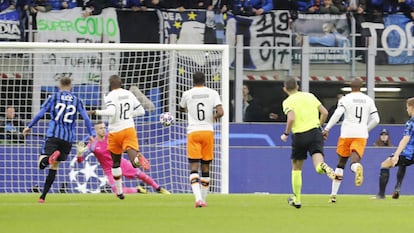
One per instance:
(133, 156)
(53, 157)
(357, 168)
(321, 167)
(117, 174)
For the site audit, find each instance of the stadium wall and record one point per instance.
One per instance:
(259, 162)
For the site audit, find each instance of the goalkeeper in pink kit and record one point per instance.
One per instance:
(99, 147)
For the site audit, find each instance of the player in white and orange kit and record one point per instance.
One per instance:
(121, 107)
(360, 116)
(204, 107)
(99, 147)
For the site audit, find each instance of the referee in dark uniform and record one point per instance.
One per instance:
(63, 107)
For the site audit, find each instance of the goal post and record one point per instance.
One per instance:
(157, 74)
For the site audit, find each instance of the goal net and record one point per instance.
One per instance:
(157, 74)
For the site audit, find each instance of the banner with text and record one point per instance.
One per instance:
(10, 25)
(188, 27)
(70, 26)
(260, 33)
(398, 39)
(326, 34)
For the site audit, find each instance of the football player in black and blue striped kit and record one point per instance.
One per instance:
(402, 157)
(63, 108)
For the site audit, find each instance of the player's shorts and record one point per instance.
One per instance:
(120, 141)
(53, 144)
(200, 145)
(310, 141)
(347, 145)
(403, 161)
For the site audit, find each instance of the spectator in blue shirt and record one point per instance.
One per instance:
(57, 4)
(135, 5)
(308, 6)
(251, 7)
(407, 8)
(69, 4)
(6, 5)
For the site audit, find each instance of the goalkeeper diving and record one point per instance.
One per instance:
(99, 147)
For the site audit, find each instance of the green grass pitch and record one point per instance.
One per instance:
(89, 213)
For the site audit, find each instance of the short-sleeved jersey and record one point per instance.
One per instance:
(200, 103)
(408, 151)
(123, 103)
(63, 107)
(306, 108)
(358, 107)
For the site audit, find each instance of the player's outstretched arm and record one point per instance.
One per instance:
(82, 150)
(373, 121)
(109, 111)
(85, 117)
(138, 111)
(36, 118)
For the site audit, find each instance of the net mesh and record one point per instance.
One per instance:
(158, 77)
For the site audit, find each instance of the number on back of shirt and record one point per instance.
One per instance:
(65, 111)
(124, 107)
(201, 115)
(358, 113)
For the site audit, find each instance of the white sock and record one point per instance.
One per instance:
(195, 185)
(354, 166)
(117, 172)
(205, 186)
(337, 183)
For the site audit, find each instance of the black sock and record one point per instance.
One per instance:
(48, 183)
(383, 180)
(400, 177)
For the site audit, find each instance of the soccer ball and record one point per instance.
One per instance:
(166, 119)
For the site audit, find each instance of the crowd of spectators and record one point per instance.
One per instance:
(363, 10)
(242, 7)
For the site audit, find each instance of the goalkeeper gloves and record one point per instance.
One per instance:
(80, 149)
